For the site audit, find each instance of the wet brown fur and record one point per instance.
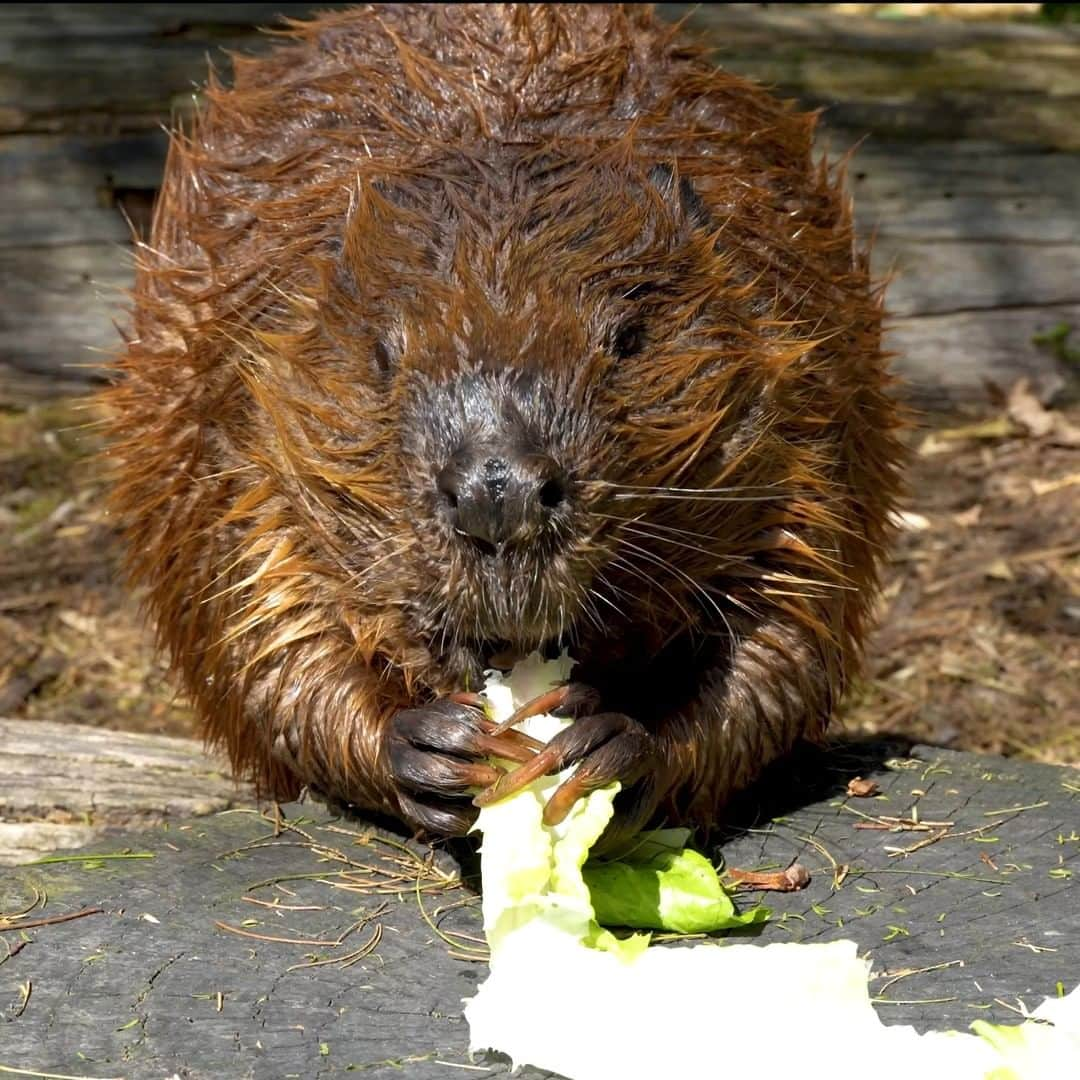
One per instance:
(400, 194)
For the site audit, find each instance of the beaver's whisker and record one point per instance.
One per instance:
(648, 535)
(662, 562)
(642, 520)
(598, 595)
(734, 490)
(696, 496)
(654, 582)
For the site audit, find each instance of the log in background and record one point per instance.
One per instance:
(967, 172)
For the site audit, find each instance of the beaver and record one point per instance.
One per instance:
(464, 331)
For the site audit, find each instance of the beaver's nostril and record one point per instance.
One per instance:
(552, 493)
(447, 484)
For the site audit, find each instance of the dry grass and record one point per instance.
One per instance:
(979, 643)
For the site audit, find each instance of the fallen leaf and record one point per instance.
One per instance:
(909, 520)
(966, 518)
(862, 789)
(1025, 409)
(1045, 487)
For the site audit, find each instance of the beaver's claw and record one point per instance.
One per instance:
(438, 752)
(605, 746)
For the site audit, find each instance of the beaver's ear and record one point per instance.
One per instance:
(682, 191)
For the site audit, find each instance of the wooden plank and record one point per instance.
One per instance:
(60, 304)
(66, 784)
(76, 67)
(65, 190)
(171, 992)
(949, 276)
(970, 191)
(944, 359)
(58, 170)
(73, 67)
(918, 79)
(974, 226)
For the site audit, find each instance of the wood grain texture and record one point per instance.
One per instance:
(66, 785)
(133, 991)
(967, 172)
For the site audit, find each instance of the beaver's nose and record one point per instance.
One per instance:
(495, 498)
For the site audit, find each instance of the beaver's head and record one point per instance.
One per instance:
(536, 399)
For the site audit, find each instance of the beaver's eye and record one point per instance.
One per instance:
(382, 358)
(628, 340)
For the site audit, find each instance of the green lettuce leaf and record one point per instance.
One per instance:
(674, 890)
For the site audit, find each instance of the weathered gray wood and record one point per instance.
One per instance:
(60, 305)
(65, 785)
(1014, 83)
(977, 275)
(966, 190)
(133, 991)
(61, 68)
(58, 172)
(108, 67)
(988, 221)
(945, 359)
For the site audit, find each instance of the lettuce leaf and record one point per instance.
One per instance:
(566, 995)
(675, 890)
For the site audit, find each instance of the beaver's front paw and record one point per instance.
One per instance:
(605, 746)
(438, 758)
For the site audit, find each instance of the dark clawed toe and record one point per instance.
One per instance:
(475, 701)
(438, 754)
(537, 706)
(624, 756)
(438, 817)
(581, 700)
(424, 771)
(609, 746)
(571, 700)
(452, 727)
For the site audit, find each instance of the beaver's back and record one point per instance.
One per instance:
(386, 93)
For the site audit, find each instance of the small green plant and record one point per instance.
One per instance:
(1060, 13)
(1056, 339)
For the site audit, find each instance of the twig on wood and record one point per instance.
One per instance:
(839, 870)
(26, 990)
(13, 950)
(913, 1001)
(38, 901)
(1016, 809)
(275, 906)
(91, 857)
(28, 924)
(1034, 948)
(8, 1070)
(288, 941)
(907, 972)
(943, 834)
(351, 958)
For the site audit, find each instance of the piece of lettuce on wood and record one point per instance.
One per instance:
(662, 885)
(566, 996)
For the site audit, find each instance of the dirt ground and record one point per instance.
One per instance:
(978, 648)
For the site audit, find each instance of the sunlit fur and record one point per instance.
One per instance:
(407, 222)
